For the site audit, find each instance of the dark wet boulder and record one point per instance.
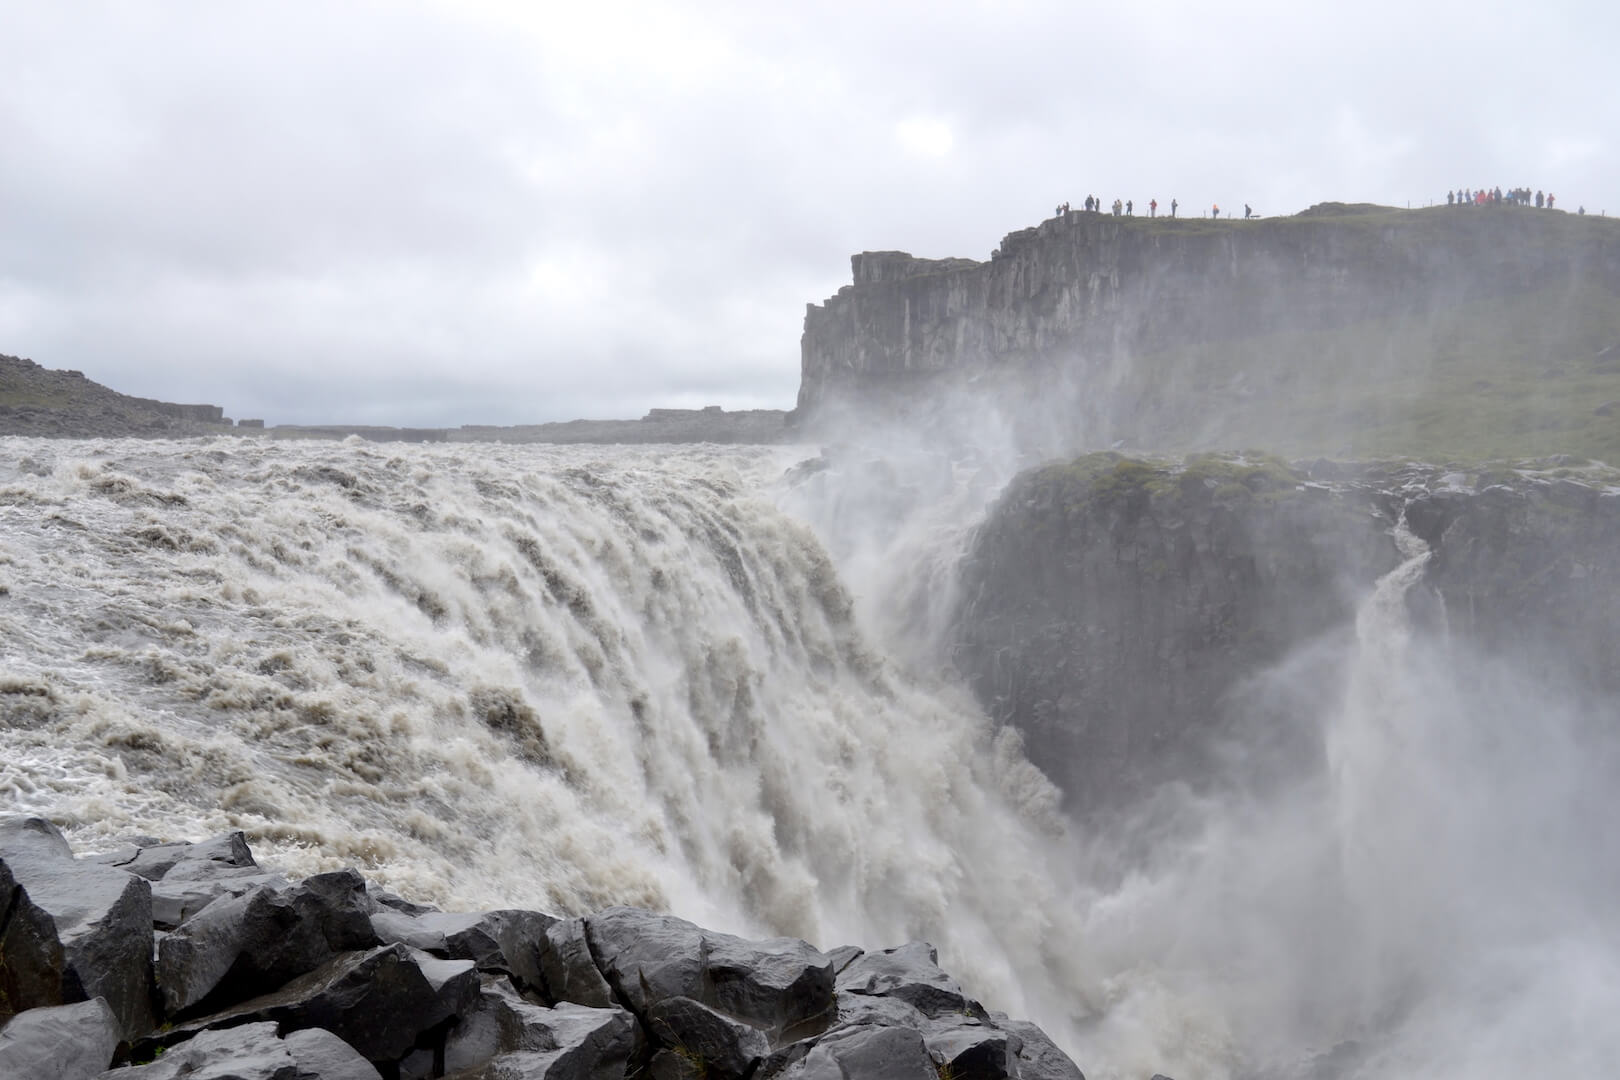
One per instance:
(909, 973)
(508, 940)
(506, 1036)
(176, 899)
(236, 948)
(453, 935)
(212, 858)
(781, 986)
(521, 935)
(857, 1010)
(31, 957)
(101, 917)
(187, 877)
(1039, 1057)
(726, 1049)
(321, 1055)
(454, 981)
(887, 1052)
(843, 956)
(378, 1001)
(974, 1051)
(567, 970)
(63, 1042)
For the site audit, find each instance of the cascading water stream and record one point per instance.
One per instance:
(1375, 753)
(567, 677)
(553, 677)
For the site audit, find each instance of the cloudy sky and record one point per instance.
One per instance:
(480, 211)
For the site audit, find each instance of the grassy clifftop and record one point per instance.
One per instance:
(1346, 330)
(1525, 375)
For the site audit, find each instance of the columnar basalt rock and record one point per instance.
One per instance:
(1057, 317)
(477, 996)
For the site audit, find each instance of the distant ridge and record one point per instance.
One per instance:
(39, 401)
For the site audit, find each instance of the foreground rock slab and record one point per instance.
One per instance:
(63, 1042)
(332, 978)
(774, 985)
(253, 943)
(100, 917)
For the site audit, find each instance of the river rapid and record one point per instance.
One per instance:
(558, 677)
(702, 680)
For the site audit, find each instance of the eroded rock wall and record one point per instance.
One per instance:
(1071, 296)
(1117, 611)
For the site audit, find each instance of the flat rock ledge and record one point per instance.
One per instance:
(158, 961)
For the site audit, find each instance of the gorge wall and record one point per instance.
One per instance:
(1089, 318)
(1119, 612)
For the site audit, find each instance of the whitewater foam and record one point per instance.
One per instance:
(547, 676)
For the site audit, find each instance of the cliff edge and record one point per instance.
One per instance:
(40, 401)
(1345, 330)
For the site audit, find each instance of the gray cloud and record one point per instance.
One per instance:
(447, 213)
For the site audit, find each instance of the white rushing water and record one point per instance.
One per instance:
(546, 676)
(564, 677)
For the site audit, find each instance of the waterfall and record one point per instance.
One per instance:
(556, 677)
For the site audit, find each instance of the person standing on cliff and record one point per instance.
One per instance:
(1173, 205)
(1130, 208)
(1215, 211)
(1247, 213)
(1153, 208)
(1550, 197)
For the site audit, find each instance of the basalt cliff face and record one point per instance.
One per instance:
(1089, 318)
(1121, 613)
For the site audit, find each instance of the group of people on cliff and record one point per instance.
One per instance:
(1496, 196)
(1127, 208)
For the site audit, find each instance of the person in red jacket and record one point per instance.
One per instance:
(1153, 208)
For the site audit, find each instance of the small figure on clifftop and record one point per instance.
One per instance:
(1130, 208)
(1153, 208)
(1215, 211)
(1173, 205)
(1247, 213)
(1550, 198)
(1541, 200)
(1451, 198)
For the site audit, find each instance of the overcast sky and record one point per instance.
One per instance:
(446, 213)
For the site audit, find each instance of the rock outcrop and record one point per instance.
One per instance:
(1115, 611)
(40, 401)
(1106, 328)
(329, 979)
